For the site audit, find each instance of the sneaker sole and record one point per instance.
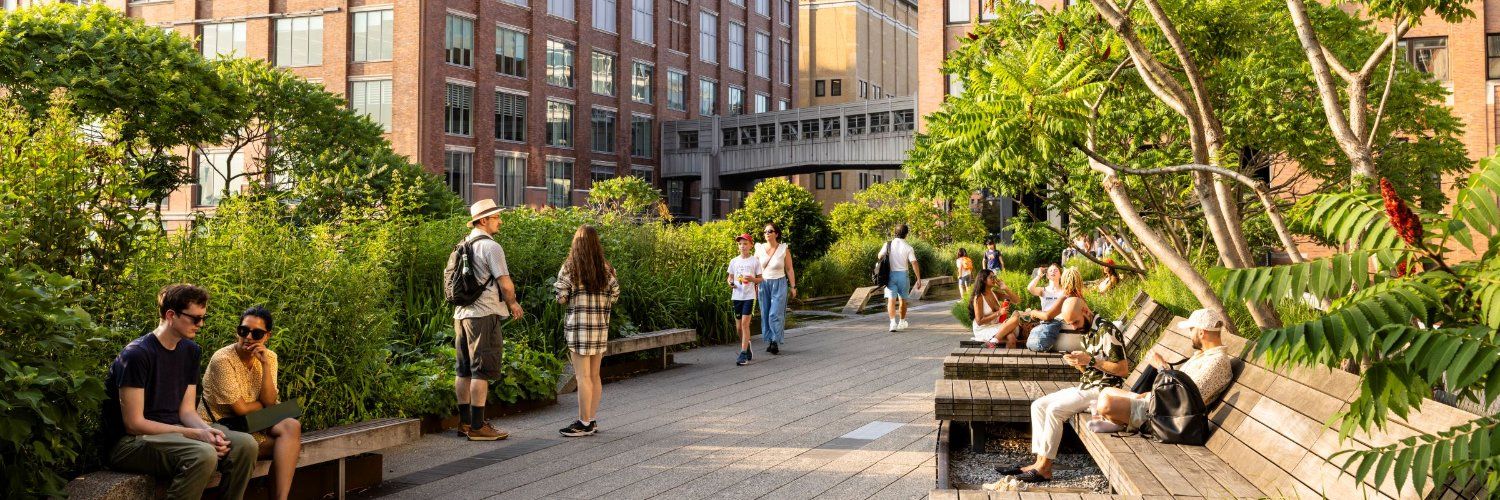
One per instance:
(577, 434)
(496, 438)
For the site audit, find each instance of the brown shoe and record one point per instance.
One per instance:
(487, 433)
(463, 430)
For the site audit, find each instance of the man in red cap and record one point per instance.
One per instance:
(744, 274)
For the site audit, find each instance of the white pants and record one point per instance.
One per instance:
(1048, 413)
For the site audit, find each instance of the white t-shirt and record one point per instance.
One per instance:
(744, 266)
(773, 264)
(901, 255)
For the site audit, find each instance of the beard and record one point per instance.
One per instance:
(1197, 343)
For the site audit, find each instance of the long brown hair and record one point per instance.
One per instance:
(586, 259)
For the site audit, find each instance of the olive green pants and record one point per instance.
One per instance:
(187, 462)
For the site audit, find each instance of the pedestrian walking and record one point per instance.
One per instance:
(993, 261)
(588, 286)
(903, 260)
(779, 279)
(964, 267)
(744, 278)
(477, 280)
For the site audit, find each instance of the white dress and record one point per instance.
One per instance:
(985, 333)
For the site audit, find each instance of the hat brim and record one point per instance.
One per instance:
(486, 213)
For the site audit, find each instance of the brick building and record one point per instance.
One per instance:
(524, 101)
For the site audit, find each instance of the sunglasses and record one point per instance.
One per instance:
(197, 320)
(253, 333)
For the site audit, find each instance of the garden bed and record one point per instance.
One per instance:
(1010, 443)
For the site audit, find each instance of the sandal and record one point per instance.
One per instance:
(1032, 476)
(1011, 470)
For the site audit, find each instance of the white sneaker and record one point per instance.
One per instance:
(893, 324)
(901, 326)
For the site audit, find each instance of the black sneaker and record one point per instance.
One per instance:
(577, 430)
(744, 358)
(774, 348)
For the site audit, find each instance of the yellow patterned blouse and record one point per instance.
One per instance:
(228, 379)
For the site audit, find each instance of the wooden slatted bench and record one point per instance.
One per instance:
(991, 400)
(1012, 495)
(1269, 438)
(334, 443)
(984, 366)
(662, 339)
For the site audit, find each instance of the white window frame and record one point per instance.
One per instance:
(643, 21)
(289, 41)
(605, 16)
(682, 91)
(503, 182)
(763, 54)
(360, 100)
(708, 36)
(736, 55)
(368, 45)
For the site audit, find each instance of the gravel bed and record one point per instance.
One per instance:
(1009, 444)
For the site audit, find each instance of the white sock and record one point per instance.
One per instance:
(591, 422)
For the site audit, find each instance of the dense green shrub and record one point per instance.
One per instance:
(630, 197)
(794, 210)
(876, 211)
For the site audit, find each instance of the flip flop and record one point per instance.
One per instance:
(1032, 477)
(1011, 470)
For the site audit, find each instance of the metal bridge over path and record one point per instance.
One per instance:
(731, 152)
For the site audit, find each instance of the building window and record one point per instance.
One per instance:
(864, 89)
(855, 124)
(604, 15)
(374, 35)
(708, 37)
(905, 120)
(458, 109)
(785, 72)
(460, 40)
(736, 101)
(820, 181)
(522, 3)
(510, 179)
(762, 103)
(1492, 53)
(876, 93)
(510, 52)
(643, 21)
(1428, 55)
(640, 136)
(214, 171)
(786, 12)
(763, 55)
(836, 87)
(559, 124)
(676, 90)
(955, 86)
(458, 168)
(603, 68)
(640, 82)
(736, 46)
(510, 117)
(731, 137)
(600, 173)
(958, 11)
(836, 180)
(603, 131)
(987, 9)
(678, 35)
(706, 97)
(224, 40)
(788, 131)
(738, 3)
(675, 198)
(559, 182)
(560, 8)
(880, 122)
(372, 98)
(299, 41)
(687, 139)
(820, 88)
(763, 7)
(559, 63)
(783, 104)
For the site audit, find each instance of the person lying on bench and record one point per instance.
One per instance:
(241, 379)
(1103, 364)
(1209, 368)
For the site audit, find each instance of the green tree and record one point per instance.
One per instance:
(165, 93)
(630, 197)
(1422, 320)
(794, 210)
(875, 211)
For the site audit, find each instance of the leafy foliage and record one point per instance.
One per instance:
(794, 210)
(630, 197)
(875, 211)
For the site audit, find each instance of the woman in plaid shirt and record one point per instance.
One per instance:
(587, 285)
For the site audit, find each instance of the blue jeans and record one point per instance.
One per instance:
(773, 309)
(1044, 336)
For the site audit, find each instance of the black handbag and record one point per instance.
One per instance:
(1177, 414)
(882, 274)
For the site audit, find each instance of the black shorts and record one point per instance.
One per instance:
(743, 308)
(479, 346)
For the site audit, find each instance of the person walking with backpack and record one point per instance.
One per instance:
(778, 279)
(587, 285)
(476, 281)
(898, 256)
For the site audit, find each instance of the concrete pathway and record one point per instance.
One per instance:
(844, 412)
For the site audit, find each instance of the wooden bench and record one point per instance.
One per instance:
(1268, 438)
(1012, 495)
(661, 339)
(334, 443)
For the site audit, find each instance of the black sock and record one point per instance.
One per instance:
(476, 416)
(463, 413)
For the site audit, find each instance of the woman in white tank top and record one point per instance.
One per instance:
(780, 280)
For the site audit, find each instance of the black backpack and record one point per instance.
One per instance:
(461, 287)
(1177, 414)
(882, 274)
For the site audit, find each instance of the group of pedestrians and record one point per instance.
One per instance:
(761, 273)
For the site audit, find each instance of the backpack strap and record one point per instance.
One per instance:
(469, 242)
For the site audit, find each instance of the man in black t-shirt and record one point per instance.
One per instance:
(151, 424)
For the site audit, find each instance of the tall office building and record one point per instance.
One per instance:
(524, 101)
(853, 50)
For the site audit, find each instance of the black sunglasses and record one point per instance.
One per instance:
(253, 333)
(197, 320)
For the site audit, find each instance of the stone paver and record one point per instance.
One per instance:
(709, 429)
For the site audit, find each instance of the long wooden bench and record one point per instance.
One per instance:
(1269, 438)
(660, 339)
(334, 443)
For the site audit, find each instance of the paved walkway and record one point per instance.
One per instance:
(844, 412)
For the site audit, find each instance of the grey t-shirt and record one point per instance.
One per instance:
(489, 260)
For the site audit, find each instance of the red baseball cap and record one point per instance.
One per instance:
(744, 236)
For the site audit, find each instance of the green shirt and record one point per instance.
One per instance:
(1104, 345)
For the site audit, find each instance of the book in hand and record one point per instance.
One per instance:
(264, 418)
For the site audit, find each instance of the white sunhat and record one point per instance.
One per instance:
(1203, 319)
(481, 209)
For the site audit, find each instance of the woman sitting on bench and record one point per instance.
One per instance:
(989, 305)
(1071, 314)
(241, 379)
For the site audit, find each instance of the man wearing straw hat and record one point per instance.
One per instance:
(477, 338)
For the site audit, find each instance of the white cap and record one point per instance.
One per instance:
(1203, 319)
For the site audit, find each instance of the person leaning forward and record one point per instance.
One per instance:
(477, 339)
(150, 423)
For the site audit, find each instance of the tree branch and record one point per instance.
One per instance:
(1385, 94)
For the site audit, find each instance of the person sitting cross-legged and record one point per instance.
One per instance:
(1209, 368)
(1103, 365)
